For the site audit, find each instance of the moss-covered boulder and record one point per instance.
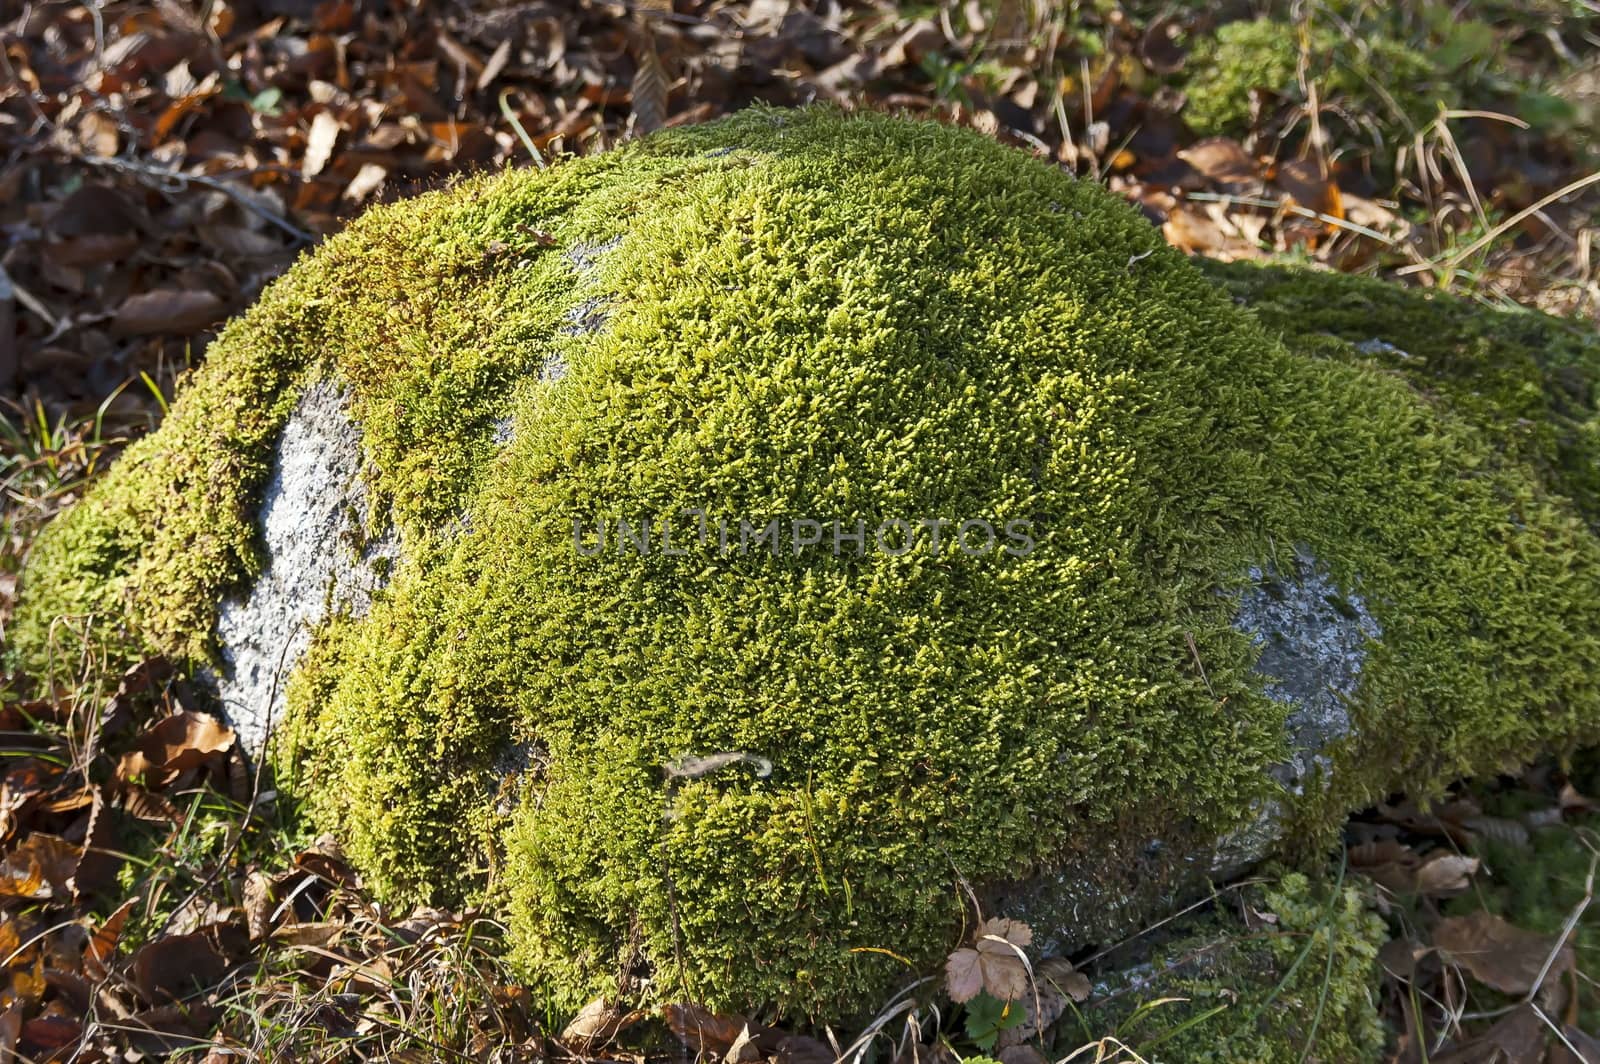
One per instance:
(991, 544)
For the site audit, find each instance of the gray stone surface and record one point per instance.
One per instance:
(311, 523)
(1313, 639)
(318, 562)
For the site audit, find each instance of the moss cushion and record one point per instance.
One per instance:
(763, 771)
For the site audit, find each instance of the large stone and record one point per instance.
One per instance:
(1257, 551)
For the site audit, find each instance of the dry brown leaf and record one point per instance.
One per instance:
(1499, 954)
(95, 870)
(324, 134)
(1585, 1047)
(183, 740)
(914, 42)
(148, 806)
(991, 964)
(167, 310)
(1056, 981)
(372, 976)
(368, 180)
(258, 904)
(1501, 829)
(45, 1037)
(745, 1049)
(315, 934)
(1388, 863)
(596, 1024)
(1192, 233)
(1223, 162)
(173, 967)
(102, 943)
(1303, 182)
(48, 857)
(702, 1030)
(650, 84)
(1446, 873)
(1399, 957)
(1517, 1038)
(98, 133)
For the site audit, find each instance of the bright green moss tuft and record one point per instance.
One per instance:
(827, 318)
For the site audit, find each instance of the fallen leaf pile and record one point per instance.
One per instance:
(1465, 984)
(144, 910)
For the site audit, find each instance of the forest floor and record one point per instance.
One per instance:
(162, 160)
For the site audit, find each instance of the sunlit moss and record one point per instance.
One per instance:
(837, 319)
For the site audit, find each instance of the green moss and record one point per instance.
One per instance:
(1371, 75)
(1529, 381)
(832, 319)
(1299, 988)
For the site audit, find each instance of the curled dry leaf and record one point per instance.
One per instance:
(319, 143)
(258, 904)
(102, 943)
(96, 868)
(1388, 863)
(1446, 873)
(1304, 183)
(44, 861)
(650, 84)
(745, 1049)
(596, 1024)
(1501, 955)
(1056, 981)
(707, 1032)
(1224, 163)
(184, 740)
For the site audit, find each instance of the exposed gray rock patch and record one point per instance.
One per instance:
(311, 521)
(1313, 639)
(589, 316)
(585, 256)
(1382, 347)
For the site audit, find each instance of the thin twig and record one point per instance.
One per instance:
(1498, 231)
(1292, 208)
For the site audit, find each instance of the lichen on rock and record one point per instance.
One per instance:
(848, 320)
